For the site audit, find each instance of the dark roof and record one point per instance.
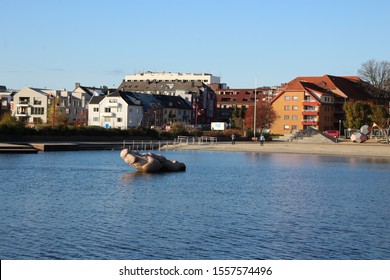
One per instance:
(152, 100)
(354, 89)
(96, 99)
(128, 97)
(3, 88)
(170, 101)
(163, 86)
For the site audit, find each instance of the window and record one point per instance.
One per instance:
(294, 117)
(286, 97)
(286, 117)
(37, 101)
(295, 98)
(37, 110)
(119, 120)
(95, 119)
(294, 127)
(287, 107)
(295, 108)
(96, 109)
(286, 127)
(107, 110)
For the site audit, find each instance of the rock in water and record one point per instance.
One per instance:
(150, 162)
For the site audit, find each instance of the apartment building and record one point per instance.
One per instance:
(5, 100)
(30, 105)
(173, 77)
(116, 110)
(197, 94)
(315, 102)
(78, 103)
(130, 109)
(228, 99)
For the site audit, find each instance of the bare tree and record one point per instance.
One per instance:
(377, 73)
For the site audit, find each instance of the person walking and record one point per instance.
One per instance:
(261, 139)
(233, 139)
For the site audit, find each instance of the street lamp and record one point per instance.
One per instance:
(339, 128)
(254, 113)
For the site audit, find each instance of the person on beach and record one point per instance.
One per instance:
(261, 139)
(233, 139)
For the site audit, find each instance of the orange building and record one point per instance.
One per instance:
(315, 102)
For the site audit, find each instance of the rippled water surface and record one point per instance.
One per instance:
(91, 205)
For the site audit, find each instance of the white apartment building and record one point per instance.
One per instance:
(173, 76)
(116, 110)
(78, 111)
(31, 105)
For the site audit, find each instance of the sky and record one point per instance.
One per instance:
(248, 43)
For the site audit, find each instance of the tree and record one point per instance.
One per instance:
(377, 73)
(379, 115)
(238, 115)
(54, 115)
(357, 114)
(361, 113)
(265, 115)
(10, 121)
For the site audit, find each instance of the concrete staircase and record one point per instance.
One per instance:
(309, 135)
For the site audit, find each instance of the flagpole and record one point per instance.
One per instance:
(254, 112)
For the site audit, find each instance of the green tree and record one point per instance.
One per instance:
(357, 114)
(238, 116)
(54, 115)
(10, 121)
(379, 115)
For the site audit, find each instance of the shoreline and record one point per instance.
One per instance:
(369, 149)
(347, 149)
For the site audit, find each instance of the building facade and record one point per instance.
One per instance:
(315, 102)
(173, 77)
(116, 110)
(199, 96)
(5, 99)
(229, 99)
(30, 105)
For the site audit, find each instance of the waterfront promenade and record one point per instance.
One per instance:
(368, 149)
(371, 148)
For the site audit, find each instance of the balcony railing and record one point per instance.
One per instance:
(21, 114)
(108, 114)
(310, 112)
(309, 122)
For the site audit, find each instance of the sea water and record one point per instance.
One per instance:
(226, 205)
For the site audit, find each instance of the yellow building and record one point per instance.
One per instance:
(315, 102)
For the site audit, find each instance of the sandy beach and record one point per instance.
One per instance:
(368, 149)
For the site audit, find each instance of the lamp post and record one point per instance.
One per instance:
(155, 119)
(339, 128)
(254, 113)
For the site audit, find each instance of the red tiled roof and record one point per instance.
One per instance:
(348, 86)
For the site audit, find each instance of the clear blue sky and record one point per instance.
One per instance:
(54, 44)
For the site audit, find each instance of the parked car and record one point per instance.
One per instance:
(332, 133)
